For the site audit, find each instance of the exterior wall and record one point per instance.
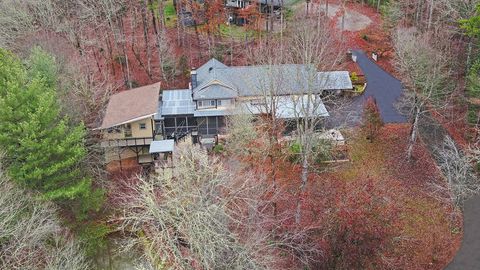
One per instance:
(113, 134)
(142, 133)
(206, 104)
(226, 104)
(118, 133)
(237, 3)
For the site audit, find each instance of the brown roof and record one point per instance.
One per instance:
(131, 105)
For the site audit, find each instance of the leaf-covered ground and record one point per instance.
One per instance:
(381, 197)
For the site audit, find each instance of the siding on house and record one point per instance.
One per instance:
(118, 132)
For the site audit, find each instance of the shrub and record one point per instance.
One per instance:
(322, 151)
(120, 59)
(472, 115)
(183, 65)
(353, 76)
(294, 150)
(372, 121)
(218, 149)
(93, 237)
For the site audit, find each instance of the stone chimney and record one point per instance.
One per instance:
(193, 76)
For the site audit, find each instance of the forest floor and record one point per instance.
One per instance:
(428, 232)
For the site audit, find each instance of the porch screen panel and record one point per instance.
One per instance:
(202, 125)
(212, 125)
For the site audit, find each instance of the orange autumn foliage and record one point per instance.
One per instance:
(374, 212)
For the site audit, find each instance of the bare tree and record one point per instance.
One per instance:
(314, 47)
(425, 73)
(15, 22)
(32, 237)
(456, 165)
(203, 215)
(241, 133)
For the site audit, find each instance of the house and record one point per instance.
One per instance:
(135, 118)
(128, 127)
(265, 5)
(234, 8)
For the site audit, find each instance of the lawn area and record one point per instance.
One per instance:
(235, 31)
(170, 14)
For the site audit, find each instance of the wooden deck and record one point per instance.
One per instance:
(127, 142)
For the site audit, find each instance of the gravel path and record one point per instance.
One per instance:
(353, 21)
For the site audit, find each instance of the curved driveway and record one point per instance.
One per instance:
(468, 257)
(385, 88)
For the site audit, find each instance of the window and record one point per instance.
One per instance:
(114, 130)
(143, 126)
(127, 130)
(219, 103)
(257, 102)
(206, 103)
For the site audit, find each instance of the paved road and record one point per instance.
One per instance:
(384, 87)
(468, 257)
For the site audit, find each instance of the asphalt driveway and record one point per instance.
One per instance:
(468, 257)
(385, 88)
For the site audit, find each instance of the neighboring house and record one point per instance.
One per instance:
(136, 117)
(237, 3)
(264, 6)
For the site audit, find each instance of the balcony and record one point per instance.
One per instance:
(127, 142)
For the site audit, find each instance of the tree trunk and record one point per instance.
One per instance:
(430, 14)
(303, 186)
(469, 53)
(413, 132)
(154, 20)
(128, 80)
(326, 9)
(145, 38)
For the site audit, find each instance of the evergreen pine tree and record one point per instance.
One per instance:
(43, 150)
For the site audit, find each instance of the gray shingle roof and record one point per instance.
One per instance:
(215, 90)
(204, 72)
(335, 80)
(287, 79)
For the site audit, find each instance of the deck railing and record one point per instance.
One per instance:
(127, 142)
